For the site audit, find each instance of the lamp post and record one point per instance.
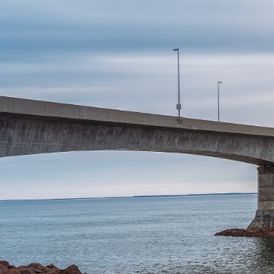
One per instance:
(178, 106)
(218, 95)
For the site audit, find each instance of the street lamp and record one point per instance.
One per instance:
(218, 95)
(178, 106)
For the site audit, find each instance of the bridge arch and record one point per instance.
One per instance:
(23, 135)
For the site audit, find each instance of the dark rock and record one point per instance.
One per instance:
(52, 266)
(26, 270)
(4, 263)
(73, 269)
(52, 269)
(3, 269)
(235, 232)
(13, 271)
(36, 268)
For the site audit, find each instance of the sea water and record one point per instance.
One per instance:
(172, 234)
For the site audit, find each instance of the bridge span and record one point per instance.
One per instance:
(32, 127)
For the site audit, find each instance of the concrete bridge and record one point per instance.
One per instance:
(32, 127)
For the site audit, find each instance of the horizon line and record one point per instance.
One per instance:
(128, 196)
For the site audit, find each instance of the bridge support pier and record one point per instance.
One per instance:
(264, 218)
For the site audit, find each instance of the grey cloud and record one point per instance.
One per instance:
(66, 27)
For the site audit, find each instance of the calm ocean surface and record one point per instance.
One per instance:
(135, 235)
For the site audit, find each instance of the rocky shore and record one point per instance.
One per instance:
(35, 268)
(235, 232)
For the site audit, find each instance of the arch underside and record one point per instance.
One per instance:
(26, 135)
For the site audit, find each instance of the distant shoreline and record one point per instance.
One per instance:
(133, 196)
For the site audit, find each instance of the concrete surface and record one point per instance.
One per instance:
(31, 127)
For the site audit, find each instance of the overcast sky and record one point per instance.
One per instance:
(118, 54)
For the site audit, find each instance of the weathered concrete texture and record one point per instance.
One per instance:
(264, 218)
(31, 127)
(22, 135)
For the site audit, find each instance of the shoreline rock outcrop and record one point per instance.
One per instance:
(36, 268)
(236, 232)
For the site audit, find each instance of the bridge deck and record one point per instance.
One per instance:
(19, 106)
